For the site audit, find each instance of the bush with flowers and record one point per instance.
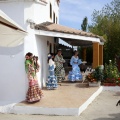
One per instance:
(109, 76)
(90, 77)
(111, 73)
(96, 75)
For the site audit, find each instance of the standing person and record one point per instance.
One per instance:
(75, 74)
(36, 64)
(60, 72)
(52, 80)
(34, 93)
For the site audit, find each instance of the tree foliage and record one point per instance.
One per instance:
(84, 24)
(106, 23)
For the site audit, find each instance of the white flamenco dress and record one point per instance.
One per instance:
(52, 79)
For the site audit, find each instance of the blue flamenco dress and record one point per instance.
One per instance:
(75, 74)
(51, 83)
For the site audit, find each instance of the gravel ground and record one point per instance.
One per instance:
(102, 108)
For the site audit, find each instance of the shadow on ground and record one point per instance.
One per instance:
(117, 94)
(112, 117)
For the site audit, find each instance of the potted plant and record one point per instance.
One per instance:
(95, 77)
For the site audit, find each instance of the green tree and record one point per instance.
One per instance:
(84, 24)
(106, 23)
(89, 50)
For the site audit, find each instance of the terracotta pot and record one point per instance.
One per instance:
(109, 84)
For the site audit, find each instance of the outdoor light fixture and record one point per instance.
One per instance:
(31, 22)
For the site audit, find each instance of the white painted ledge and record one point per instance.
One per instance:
(111, 88)
(89, 101)
(12, 108)
(53, 111)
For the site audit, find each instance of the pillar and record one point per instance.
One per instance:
(95, 55)
(100, 54)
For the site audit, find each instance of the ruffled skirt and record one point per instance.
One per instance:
(34, 93)
(51, 83)
(75, 74)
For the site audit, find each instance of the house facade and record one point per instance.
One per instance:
(12, 58)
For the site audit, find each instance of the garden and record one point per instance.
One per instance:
(107, 75)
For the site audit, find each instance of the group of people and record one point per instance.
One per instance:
(56, 73)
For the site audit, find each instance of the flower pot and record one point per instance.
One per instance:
(94, 84)
(109, 84)
(118, 84)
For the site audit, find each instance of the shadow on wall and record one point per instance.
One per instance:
(13, 83)
(11, 50)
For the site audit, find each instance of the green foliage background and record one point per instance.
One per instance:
(106, 23)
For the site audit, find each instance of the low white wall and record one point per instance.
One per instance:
(13, 83)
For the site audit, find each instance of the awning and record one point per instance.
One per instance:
(11, 34)
(70, 35)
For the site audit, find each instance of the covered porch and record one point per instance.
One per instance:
(73, 37)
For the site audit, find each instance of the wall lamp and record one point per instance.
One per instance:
(31, 22)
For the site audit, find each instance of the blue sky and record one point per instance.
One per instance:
(72, 12)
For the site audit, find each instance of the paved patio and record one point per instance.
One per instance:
(102, 108)
(68, 95)
(68, 99)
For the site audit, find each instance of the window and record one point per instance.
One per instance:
(56, 20)
(58, 1)
(53, 17)
(50, 11)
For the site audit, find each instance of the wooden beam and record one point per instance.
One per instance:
(100, 54)
(95, 54)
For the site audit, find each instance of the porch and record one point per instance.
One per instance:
(73, 37)
(68, 99)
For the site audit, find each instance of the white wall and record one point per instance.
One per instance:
(13, 84)
(38, 46)
(13, 81)
(15, 10)
(55, 8)
(40, 13)
(21, 10)
(42, 50)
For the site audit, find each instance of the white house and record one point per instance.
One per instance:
(13, 79)
(40, 18)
